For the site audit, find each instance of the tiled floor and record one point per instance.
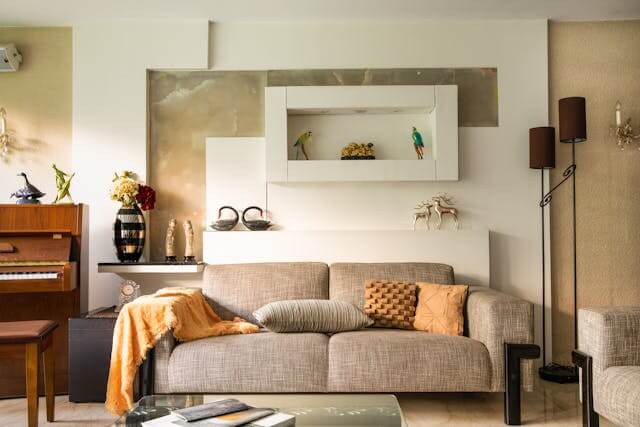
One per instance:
(550, 405)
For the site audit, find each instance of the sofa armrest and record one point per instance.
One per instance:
(494, 318)
(610, 335)
(162, 353)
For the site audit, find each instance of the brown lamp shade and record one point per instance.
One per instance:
(573, 119)
(542, 152)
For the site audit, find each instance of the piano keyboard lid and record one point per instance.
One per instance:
(42, 249)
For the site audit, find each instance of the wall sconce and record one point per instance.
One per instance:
(4, 133)
(624, 133)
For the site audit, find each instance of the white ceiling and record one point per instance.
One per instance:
(67, 12)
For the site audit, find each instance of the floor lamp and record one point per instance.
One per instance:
(542, 155)
(573, 130)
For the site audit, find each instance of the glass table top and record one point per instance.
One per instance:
(341, 410)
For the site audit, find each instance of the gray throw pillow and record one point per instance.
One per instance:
(311, 315)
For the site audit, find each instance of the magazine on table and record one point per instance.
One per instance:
(211, 409)
(202, 416)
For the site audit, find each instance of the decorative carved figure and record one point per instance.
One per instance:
(300, 144)
(189, 254)
(170, 243)
(255, 224)
(63, 184)
(438, 206)
(29, 194)
(423, 214)
(418, 143)
(226, 224)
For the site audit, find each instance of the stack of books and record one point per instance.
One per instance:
(223, 413)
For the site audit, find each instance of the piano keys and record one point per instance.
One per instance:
(29, 275)
(41, 255)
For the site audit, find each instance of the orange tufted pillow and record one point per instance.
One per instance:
(440, 308)
(390, 304)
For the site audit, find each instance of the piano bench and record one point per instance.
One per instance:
(37, 336)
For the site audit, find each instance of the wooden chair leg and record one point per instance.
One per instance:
(32, 353)
(49, 381)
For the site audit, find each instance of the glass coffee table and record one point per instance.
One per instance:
(343, 410)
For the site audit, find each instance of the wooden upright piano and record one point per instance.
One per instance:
(42, 262)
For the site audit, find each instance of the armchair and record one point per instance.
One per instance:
(609, 355)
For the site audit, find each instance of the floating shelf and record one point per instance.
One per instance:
(382, 115)
(149, 267)
(361, 170)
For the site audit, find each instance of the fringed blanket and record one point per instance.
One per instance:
(142, 322)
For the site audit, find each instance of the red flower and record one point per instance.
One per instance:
(146, 197)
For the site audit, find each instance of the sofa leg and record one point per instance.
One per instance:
(513, 354)
(145, 376)
(589, 416)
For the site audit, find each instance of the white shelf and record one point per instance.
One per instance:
(361, 170)
(150, 268)
(384, 115)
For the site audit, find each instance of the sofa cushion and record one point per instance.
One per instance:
(390, 304)
(617, 395)
(311, 315)
(257, 363)
(383, 360)
(240, 289)
(347, 280)
(441, 308)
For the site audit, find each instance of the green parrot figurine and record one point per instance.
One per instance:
(300, 143)
(63, 183)
(418, 144)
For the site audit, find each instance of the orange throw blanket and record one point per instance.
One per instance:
(142, 322)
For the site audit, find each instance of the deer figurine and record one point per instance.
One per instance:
(438, 206)
(424, 214)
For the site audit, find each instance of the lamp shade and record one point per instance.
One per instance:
(573, 119)
(542, 153)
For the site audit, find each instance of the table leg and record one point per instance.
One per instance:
(49, 381)
(31, 362)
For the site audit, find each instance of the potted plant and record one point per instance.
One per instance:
(129, 228)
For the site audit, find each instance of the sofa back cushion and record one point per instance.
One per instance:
(347, 280)
(240, 289)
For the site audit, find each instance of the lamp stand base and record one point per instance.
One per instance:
(558, 373)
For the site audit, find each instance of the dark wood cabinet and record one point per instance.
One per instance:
(90, 340)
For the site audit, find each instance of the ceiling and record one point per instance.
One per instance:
(68, 12)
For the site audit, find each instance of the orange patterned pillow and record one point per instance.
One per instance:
(390, 304)
(440, 308)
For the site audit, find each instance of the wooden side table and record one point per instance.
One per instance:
(37, 337)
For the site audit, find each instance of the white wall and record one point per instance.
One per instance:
(110, 63)
(496, 188)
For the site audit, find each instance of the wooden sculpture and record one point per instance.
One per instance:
(189, 254)
(170, 243)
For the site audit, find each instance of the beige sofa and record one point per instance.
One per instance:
(370, 360)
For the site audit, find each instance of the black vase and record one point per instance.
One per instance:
(129, 233)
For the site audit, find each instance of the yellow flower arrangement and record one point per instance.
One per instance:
(125, 188)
